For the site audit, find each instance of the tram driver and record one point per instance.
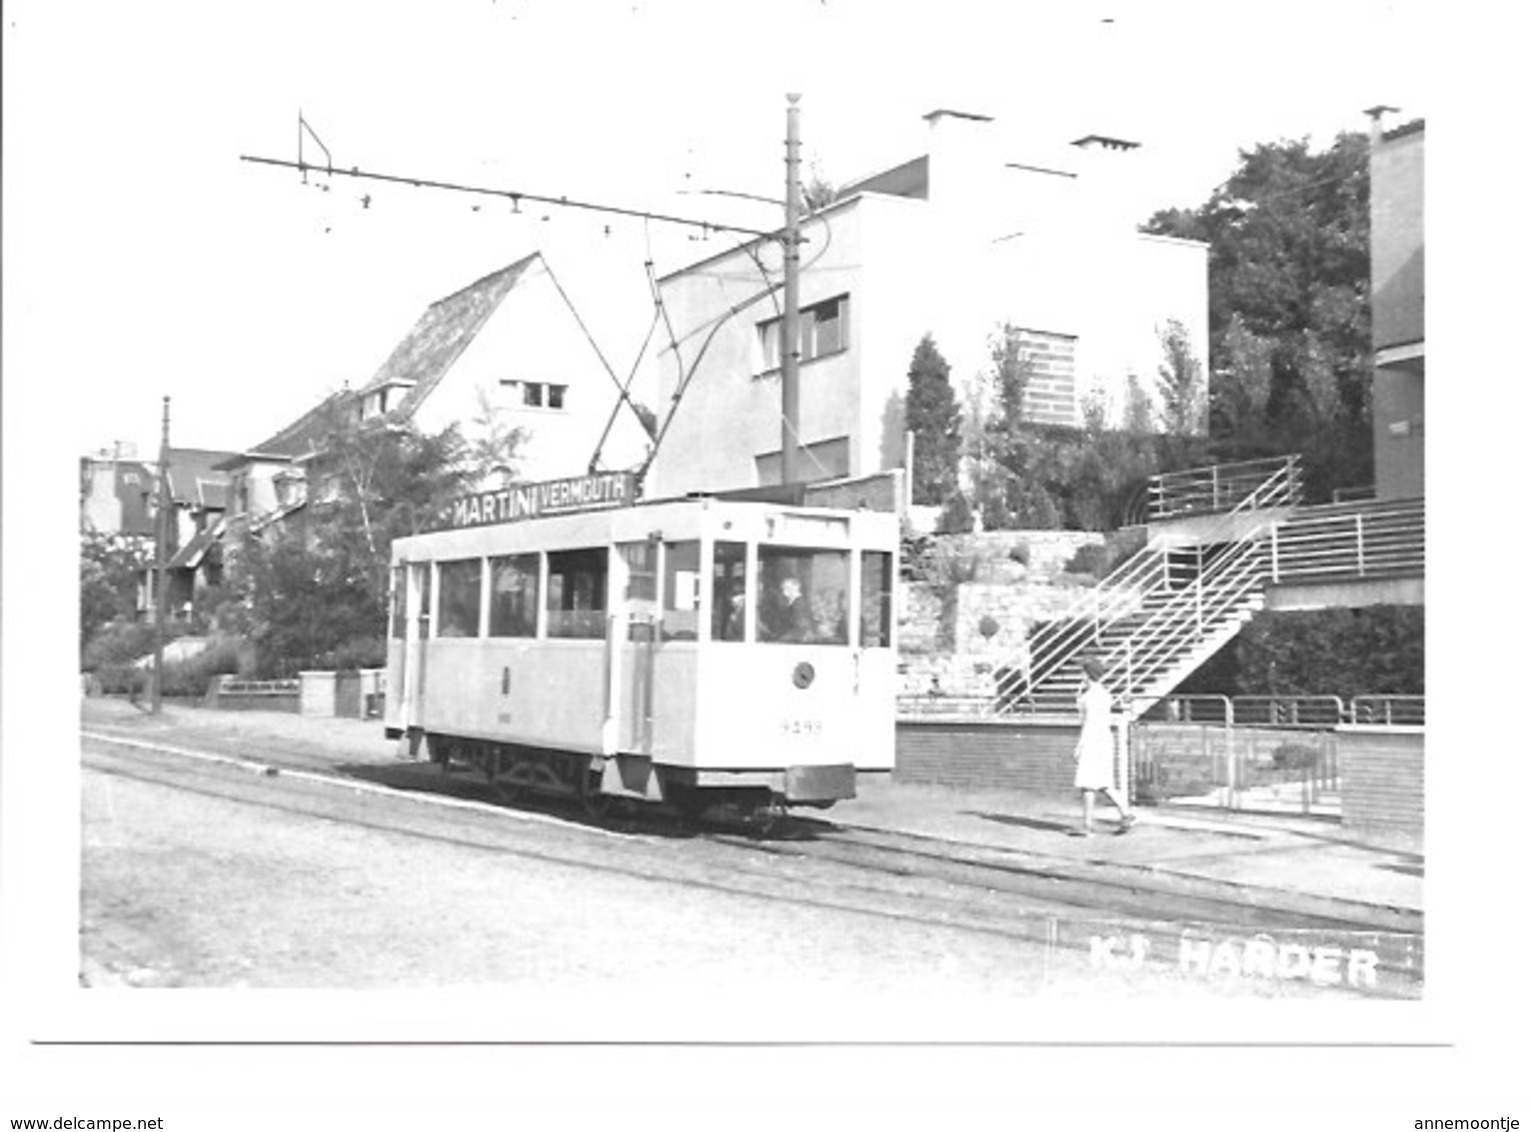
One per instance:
(785, 615)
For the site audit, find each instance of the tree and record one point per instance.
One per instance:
(1289, 234)
(316, 589)
(1012, 371)
(931, 414)
(110, 568)
(1181, 385)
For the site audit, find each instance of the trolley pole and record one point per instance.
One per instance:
(791, 318)
(161, 556)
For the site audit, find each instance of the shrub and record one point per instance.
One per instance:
(1091, 558)
(956, 518)
(1021, 553)
(1294, 756)
(121, 642)
(988, 626)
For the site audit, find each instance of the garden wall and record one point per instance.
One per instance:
(1383, 778)
(986, 755)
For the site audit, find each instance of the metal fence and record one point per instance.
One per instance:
(1219, 487)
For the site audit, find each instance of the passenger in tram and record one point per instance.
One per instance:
(785, 615)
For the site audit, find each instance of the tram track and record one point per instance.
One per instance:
(1029, 898)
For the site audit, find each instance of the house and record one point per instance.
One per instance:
(198, 495)
(957, 242)
(507, 352)
(1397, 307)
(115, 488)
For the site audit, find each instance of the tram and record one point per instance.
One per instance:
(563, 638)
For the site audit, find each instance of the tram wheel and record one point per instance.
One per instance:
(507, 792)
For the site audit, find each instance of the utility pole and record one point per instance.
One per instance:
(161, 556)
(791, 339)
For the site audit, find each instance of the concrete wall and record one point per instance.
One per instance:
(1397, 240)
(986, 756)
(1383, 778)
(1397, 312)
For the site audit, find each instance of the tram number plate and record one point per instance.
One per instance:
(809, 728)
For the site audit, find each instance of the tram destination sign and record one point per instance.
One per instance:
(521, 501)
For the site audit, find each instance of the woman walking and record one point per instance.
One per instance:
(1095, 754)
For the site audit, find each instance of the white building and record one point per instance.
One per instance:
(506, 352)
(955, 243)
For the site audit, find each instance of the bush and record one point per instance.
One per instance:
(1294, 756)
(956, 518)
(1375, 650)
(988, 626)
(1091, 558)
(121, 642)
(1021, 553)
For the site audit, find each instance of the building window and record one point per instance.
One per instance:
(824, 329)
(536, 394)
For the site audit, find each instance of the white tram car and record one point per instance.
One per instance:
(691, 652)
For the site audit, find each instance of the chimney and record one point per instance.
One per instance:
(1106, 184)
(1376, 114)
(962, 164)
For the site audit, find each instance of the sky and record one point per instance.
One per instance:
(245, 295)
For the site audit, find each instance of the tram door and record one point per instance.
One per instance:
(634, 635)
(416, 633)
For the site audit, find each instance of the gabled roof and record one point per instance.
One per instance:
(297, 439)
(192, 474)
(419, 363)
(442, 333)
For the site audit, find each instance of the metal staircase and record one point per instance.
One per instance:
(1163, 612)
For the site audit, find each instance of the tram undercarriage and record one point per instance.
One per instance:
(600, 782)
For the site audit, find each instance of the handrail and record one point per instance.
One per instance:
(1125, 588)
(1208, 489)
(1350, 540)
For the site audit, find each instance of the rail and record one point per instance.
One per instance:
(1219, 487)
(1150, 571)
(1349, 540)
(1300, 713)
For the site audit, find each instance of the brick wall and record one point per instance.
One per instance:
(986, 755)
(1051, 396)
(1383, 778)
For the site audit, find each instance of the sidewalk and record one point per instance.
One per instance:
(1303, 856)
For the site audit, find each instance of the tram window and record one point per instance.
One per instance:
(682, 590)
(461, 597)
(400, 593)
(728, 591)
(876, 599)
(513, 596)
(576, 593)
(801, 595)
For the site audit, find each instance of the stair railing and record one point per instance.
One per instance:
(1123, 591)
(1170, 636)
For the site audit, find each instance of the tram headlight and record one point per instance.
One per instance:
(803, 675)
